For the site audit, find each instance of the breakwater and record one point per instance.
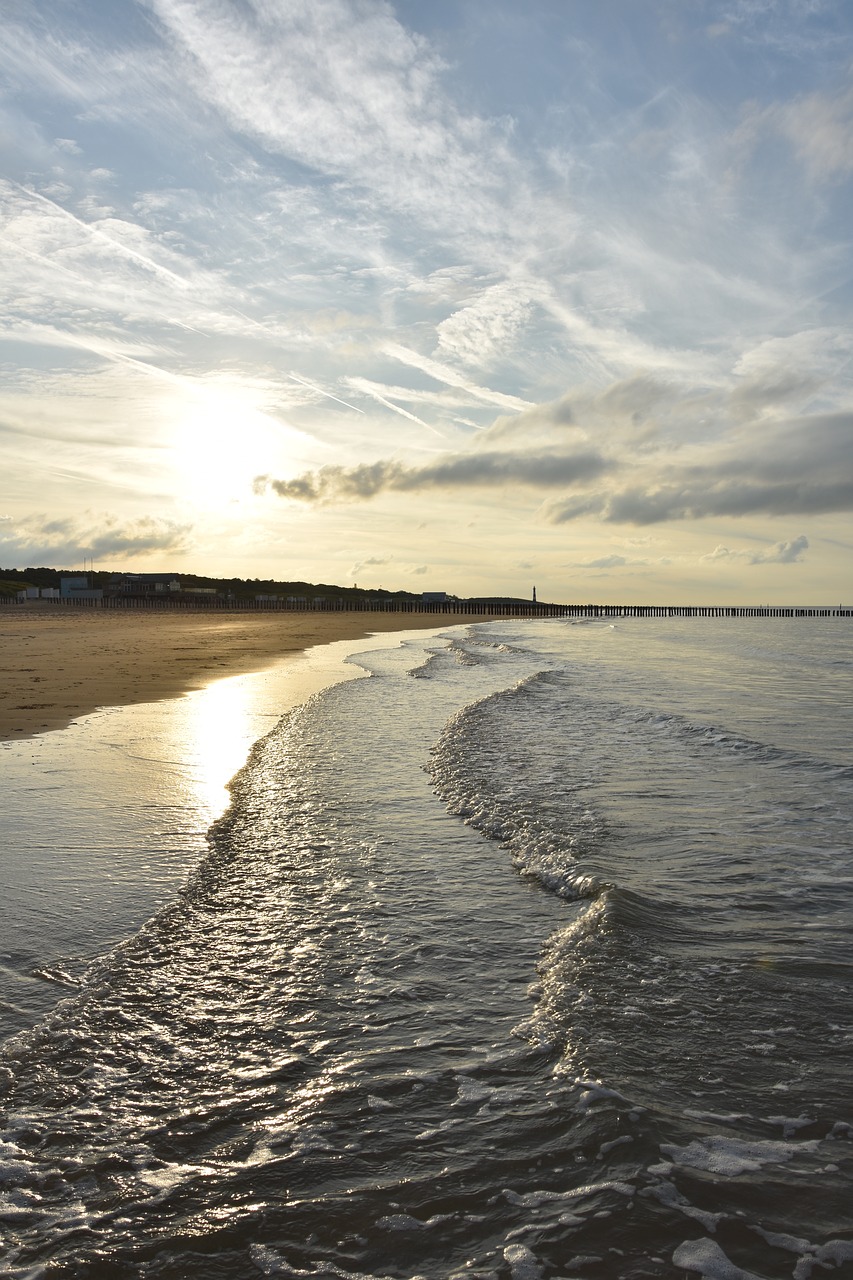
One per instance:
(482, 608)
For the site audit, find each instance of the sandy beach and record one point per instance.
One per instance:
(58, 664)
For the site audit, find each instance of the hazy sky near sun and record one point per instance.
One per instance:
(464, 295)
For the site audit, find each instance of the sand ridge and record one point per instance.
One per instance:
(58, 663)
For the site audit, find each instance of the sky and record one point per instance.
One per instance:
(464, 296)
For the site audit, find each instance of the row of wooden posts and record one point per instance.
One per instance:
(472, 608)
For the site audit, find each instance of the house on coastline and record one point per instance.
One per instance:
(159, 589)
(143, 584)
(77, 588)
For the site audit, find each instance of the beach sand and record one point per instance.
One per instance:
(60, 663)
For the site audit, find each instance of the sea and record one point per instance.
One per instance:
(524, 953)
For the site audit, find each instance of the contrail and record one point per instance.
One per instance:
(367, 388)
(327, 394)
(97, 234)
(443, 373)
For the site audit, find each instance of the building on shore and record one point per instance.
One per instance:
(77, 588)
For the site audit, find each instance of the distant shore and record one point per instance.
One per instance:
(58, 664)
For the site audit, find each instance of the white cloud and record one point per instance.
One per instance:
(296, 209)
(443, 373)
(344, 89)
(604, 562)
(479, 333)
(820, 127)
(371, 389)
(791, 552)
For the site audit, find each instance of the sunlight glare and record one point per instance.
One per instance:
(223, 723)
(223, 439)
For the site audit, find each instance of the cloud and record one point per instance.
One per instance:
(604, 562)
(613, 561)
(371, 389)
(68, 541)
(472, 470)
(799, 466)
(702, 500)
(818, 127)
(630, 402)
(781, 553)
(480, 332)
(370, 562)
(343, 89)
(88, 280)
(750, 461)
(443, 373)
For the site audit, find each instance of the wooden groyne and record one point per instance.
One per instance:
(703, 611)
(457, 608)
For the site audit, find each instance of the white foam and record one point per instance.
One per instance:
(271, 1263)
(522, 1262)
(595, 1091)
(735, 1117)
(789, 1125)
(836, 1251)
(706, 1257)
(400, 1222)
(14, 1167)
(667, 1194)
(534, 1199)
(472, 1091)
(732, 1156)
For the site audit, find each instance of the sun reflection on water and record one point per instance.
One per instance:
(223, 720)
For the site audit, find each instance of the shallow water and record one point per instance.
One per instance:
(527, 956)
(102, 821)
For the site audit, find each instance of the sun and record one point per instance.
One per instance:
(222, 440)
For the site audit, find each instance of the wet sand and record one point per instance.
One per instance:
(60, 663)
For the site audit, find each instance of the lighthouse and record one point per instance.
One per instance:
(534, 595)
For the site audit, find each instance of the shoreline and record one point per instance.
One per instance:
(108, 815)
(58, 665)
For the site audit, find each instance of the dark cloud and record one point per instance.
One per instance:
(799, 467)
(771, 387)
(696, 502)
(474, 470)
(369, 563)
